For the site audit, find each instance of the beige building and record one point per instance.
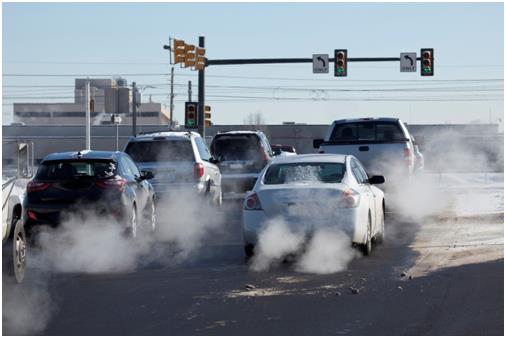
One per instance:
(107, 96)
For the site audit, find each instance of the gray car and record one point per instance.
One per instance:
(180, 161)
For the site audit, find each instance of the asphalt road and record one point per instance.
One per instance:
(429, 278)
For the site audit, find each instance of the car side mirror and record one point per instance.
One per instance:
(214, 160)
(317, 143)
(377, 180)
(147, 175)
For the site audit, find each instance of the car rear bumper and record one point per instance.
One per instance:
(347, 220)
(236, 186)
(163, 190)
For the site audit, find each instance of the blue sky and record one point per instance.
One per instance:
(127, 38)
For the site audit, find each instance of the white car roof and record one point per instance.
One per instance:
(338, 158)
(240, 132)
(168, 134)
(376, 119)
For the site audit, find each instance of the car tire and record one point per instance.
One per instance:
(131, 230)
(150, 217)
(249, 251)
(14, 253)
(366, 248)
(219, 199)
(380, 238)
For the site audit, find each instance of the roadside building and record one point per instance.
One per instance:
(107, 96)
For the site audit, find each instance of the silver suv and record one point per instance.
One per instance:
(180, 161)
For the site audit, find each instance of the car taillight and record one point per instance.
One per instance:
(198, 170)
(36, 186)
(32, 215)
(349, 199)
(407, 156)
(118, 183)
(252, 202)
(265, 157)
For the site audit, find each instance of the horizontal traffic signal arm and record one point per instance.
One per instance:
(294, 60)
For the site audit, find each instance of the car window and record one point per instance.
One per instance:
(58, 170)
(357, 173)
(202, 148)
(133, 167)
(241, 147)
(161, 150)
(125, 168)
(362, 172)
(287, 173)
(367, 131)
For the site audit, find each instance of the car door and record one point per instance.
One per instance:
(375, 198)
(365, 190)
(127, 174)
(210, 169)
(142, 186)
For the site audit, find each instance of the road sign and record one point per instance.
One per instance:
(320, 63)
(408, 62)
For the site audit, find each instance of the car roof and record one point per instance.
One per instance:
(83, 155)
(240, 132)
(165, 134)
(365, 119)
(338, 158)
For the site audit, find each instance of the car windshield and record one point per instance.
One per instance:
(158, 151)
(287, 173)
(237, 148)
(367, 131)
(62, 170)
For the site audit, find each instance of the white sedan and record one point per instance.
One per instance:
(316, 191)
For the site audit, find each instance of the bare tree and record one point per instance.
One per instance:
(255, 119)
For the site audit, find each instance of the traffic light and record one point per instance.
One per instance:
(189, 56)
(427, 63)
(207, 116)
(178, 48)
(190, 115)
(200, 58)
(340, 62)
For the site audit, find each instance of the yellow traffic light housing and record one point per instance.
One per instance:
(178, 48)
(207, 116)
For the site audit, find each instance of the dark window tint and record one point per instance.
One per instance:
(237, 147)
(202, 148)
(367, 131)
(163, 150)
(61, 170)
(304, 172)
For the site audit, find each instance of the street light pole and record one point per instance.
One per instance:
(134, 109)
(88, 118)
(201, 123)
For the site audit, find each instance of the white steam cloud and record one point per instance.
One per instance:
(327, 251)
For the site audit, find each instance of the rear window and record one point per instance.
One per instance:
(237, 147)
(63, 170)
(163, 150)
(367, 131)
(304, 172)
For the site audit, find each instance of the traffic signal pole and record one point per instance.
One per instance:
(294, 60)
(200, 119)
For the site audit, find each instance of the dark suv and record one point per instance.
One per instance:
(241, 155)
(108, 183)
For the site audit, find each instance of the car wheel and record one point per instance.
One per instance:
(14, 253)
(381, 236)
(132, 227)
(367, 246)
(150, 217)
(219, 199)
(249, 250)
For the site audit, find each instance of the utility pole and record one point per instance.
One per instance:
(134, 109)
(201, 123)
(88, 119)
(172, 96)
(189, 91)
